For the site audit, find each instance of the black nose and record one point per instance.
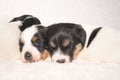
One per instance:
(28, 56)
(61, 61)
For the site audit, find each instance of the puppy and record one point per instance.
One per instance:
(68, 42)
(32, 40)
(65, 41)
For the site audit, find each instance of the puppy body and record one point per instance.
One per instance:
(100, 44)
(105, 47)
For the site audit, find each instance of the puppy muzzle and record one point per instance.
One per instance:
(30, 54)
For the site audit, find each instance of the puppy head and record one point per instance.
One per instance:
(33, 44)
(26, 21)
(65, 41)
(32, 39)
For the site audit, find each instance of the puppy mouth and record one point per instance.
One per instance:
(63, 60)
(30, 54)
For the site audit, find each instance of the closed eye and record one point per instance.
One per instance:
(69, 46)
(37, 42)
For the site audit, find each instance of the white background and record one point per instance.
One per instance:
(90, 12)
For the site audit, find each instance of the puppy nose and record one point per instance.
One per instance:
(61, 61)
(28, 56)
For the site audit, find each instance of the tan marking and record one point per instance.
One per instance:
(21, 41)
(77, 50)
(52, 44)
(34, 38)
(44, 54)
(66, 42)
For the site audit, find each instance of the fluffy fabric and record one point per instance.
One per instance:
(13, 69)
(52, 71)
(9, 34)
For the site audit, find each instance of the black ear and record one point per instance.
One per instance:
(42, 30)
(26, 21)
(29, 22)
(20, 18)
(79, 33)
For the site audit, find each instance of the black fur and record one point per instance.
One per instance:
(29, 22)
(41, 42)
(58, 32)
(93, 35)
(20, 18)
(21, 44)
(26, 22)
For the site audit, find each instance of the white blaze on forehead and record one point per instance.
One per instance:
(26, 37)
(57, 54)
(28, 33)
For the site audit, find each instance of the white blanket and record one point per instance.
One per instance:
(12, 69)
(43, 70)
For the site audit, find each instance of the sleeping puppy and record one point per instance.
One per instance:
(32, 40)
(65, 41)
(68, 42)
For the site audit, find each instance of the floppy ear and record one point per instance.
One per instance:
(29, 22)
(20, 18)
(26, 21)
(43, 32)
(80, 34)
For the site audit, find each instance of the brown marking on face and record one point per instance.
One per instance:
(22, 41)
(44, 54)
(77, 50)
(34, 38)
(66, 42)
(52, 44)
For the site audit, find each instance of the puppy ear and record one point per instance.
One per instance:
(26, 21)
(43, 32)
(29, 22)
(80, 34)
(20, 18)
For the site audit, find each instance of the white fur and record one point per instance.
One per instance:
(58, 55)
(27, 34)
(104, 48)
(26, 37)
(9, 35)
